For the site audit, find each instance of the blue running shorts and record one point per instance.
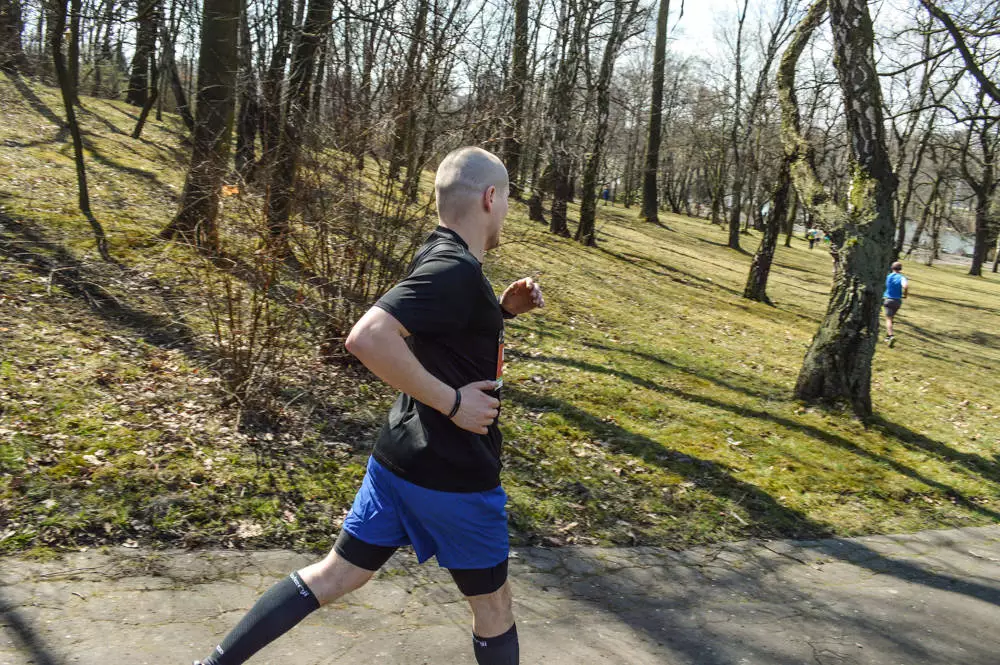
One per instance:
(464, 530)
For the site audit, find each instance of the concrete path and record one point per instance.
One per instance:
(931, 597)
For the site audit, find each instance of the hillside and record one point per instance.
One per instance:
(647, 404)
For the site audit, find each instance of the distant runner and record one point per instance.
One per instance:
(896, 288)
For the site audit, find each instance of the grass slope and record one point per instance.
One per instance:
(648, 403)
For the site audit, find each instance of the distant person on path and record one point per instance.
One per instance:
(433, 480)
(896, 288)
(811, 237)
(606, 194)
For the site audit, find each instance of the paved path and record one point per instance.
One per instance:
(931, 597)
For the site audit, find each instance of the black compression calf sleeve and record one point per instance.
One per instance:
(499, 650)
(276, 612)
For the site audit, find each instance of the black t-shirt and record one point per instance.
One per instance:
(456, 332)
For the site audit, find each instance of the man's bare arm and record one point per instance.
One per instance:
(378, 340)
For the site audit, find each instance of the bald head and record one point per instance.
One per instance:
(462, 178)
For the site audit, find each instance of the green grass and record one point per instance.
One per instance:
(647, 404)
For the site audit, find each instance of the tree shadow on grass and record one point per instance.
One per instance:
(26, 245)
(981, 466)
(956, 303)
(945, 340)
(43, 109)
(35, 101)
(674, 274)
(986, 470)
(980, 338)
(699, 373)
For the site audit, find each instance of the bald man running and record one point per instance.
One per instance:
(433, 480)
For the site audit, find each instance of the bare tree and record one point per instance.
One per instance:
(285, 167)
(56, 10)
(624, 15)
(572, 27)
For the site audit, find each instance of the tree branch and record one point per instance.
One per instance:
(989, 87)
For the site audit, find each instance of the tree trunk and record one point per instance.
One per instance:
(176, 85)
(793, 209)
(514, 121)
(570, 39)
(407, 101)
(150, 101)
(217, 65)
(145, 43)
(272, 86)
(736, 204)
(837, 365)
(12, 58)
(925, 215)
(650, 205)
(248, 105)
(981, 233)
(760, 267)
(996, 255)
(935, 235)
(279, 206)
(56, 10)
(73, 64)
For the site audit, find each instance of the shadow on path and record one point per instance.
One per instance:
(24, 634)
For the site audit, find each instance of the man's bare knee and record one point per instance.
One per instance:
(334, 577)
(492, 613)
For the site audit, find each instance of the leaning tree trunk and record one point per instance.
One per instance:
(154, 94)
(56, 10)
(169, 63)
(837, 366)
(217, 66)
(760, 267)
(650, 204)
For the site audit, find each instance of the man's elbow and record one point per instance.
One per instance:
(359, 339)
(355, 342)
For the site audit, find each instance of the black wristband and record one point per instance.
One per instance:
(458, 403)
(505, 313)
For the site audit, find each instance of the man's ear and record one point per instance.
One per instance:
(488, 198)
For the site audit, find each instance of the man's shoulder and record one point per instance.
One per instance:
(443, 251)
